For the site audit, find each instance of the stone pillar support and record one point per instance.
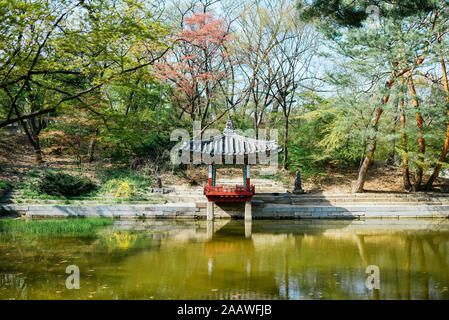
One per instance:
(248, 231)
(248, 214)
(210, 229)
(210, 211)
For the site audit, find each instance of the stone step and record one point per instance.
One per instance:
(336, 203)
(143, 196)
(344, 198)
(184, 198)
(84, 203)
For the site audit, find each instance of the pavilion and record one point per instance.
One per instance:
(239, 152)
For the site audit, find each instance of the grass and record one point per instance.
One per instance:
(67, 227)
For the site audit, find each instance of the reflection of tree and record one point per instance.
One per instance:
(395, 265)
(14, 283)
(416, 265)
(408, 253)
(442, 262)
(287, 289)
(422, 263)
(360, 240)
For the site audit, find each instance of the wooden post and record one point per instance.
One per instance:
(210, 175)
(210, 211)
(248, 215)
(248, 183)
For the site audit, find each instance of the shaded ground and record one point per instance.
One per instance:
(17, 159)
(380, 178)
(341, 180)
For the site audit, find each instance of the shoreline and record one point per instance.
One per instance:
(192, 212)
(264, 206)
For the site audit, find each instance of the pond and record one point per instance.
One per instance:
(227, 259)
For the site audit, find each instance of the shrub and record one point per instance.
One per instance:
(124, 183)
(125, 190)
(34, 173)
(63, 184)
(4, 185)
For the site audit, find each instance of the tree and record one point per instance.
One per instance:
(276, 53)
(291, 66)
(446, 141)
(196, 65)
(261, 27)
(396, 48)
(50, 62)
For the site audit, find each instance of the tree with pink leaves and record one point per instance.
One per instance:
(197, 65)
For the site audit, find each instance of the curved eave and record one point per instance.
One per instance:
(230, 145)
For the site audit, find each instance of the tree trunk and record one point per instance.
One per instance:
(391, 156)
(284, 165)
(419, 123)
(37, 149)
(372, 148)
(437, 169)
(405, 170)
(92, 145)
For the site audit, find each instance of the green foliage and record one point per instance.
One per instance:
(30, 187)
(4, 185)
(34, 173)
(326, 131)
(63, 184)
(85, 65)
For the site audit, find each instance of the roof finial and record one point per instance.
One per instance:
(229, 125)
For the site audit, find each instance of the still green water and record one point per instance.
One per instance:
(317, 259)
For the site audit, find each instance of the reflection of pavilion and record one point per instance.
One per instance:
(219, 245)
(213, 227)
(239, 152)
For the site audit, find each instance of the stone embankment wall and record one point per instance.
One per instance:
(264, 206)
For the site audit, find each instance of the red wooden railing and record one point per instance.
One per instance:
(239, 190)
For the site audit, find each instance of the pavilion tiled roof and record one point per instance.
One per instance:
(230, 144)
